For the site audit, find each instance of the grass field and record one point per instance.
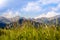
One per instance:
(29, 32)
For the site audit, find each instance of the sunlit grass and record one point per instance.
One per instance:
(29, 32)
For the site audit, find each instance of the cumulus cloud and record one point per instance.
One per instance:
(48, 15)
(56, 8)
(53, 10)
(39, 6)
(31, 6)
(49, 1)
(11, 14)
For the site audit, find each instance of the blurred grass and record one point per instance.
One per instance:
(29, 32)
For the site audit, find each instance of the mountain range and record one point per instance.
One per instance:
(44, 20)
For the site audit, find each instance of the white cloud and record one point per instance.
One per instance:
(10, 14)
(56, 8)
(52, 13)
(49, 1)
(32, 6)
(48, 15)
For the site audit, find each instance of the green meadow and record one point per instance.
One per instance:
(29, 32)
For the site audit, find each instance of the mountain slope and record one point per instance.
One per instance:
(55, 19)
(15, 21)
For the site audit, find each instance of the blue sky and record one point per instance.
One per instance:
(29, 8)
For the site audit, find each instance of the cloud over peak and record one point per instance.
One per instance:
(32, 8)
(11, 14)
(48, 15)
